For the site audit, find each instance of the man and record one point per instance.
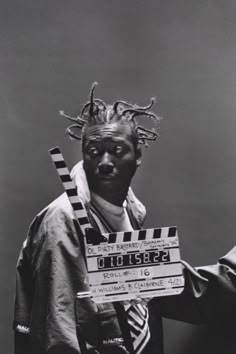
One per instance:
(51, 268)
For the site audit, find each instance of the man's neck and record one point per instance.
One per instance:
(116, 216)
(106, 205)
(113, 198)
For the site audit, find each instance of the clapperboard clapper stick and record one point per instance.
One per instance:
(77, 206)
(124, 265)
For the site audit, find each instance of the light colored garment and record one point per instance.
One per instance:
(115, 215)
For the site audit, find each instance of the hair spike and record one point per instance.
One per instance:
(146, 134)
(152, 101)
(124, 103)
(95, 100)
(78, 120)
(71, 134)
(91, 110)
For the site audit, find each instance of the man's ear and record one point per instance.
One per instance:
(138, 156)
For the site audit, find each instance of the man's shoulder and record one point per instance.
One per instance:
(58, 208)
(53, 222)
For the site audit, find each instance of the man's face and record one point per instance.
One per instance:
(110, 159)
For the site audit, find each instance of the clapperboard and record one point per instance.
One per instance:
(125, 265)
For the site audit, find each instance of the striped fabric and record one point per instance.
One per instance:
(137, 316)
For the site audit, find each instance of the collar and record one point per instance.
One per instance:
(107, 206)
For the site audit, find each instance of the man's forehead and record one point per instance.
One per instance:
(106, 137)
(115, 131)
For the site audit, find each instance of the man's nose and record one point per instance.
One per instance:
(106, 165)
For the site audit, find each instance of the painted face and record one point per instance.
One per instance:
(110, 160)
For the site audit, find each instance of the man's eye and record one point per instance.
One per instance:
(119, 150)
(93, 151)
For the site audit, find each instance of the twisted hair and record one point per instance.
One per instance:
(96, 111)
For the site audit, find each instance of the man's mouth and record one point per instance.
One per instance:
(105, 177)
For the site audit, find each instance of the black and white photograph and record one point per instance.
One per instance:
(118, 177)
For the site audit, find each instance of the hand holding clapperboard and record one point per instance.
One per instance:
(124, 265)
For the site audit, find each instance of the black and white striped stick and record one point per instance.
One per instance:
(70, 189)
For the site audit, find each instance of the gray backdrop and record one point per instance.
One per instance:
(183, 52)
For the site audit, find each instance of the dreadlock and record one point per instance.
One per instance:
(96, 111)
